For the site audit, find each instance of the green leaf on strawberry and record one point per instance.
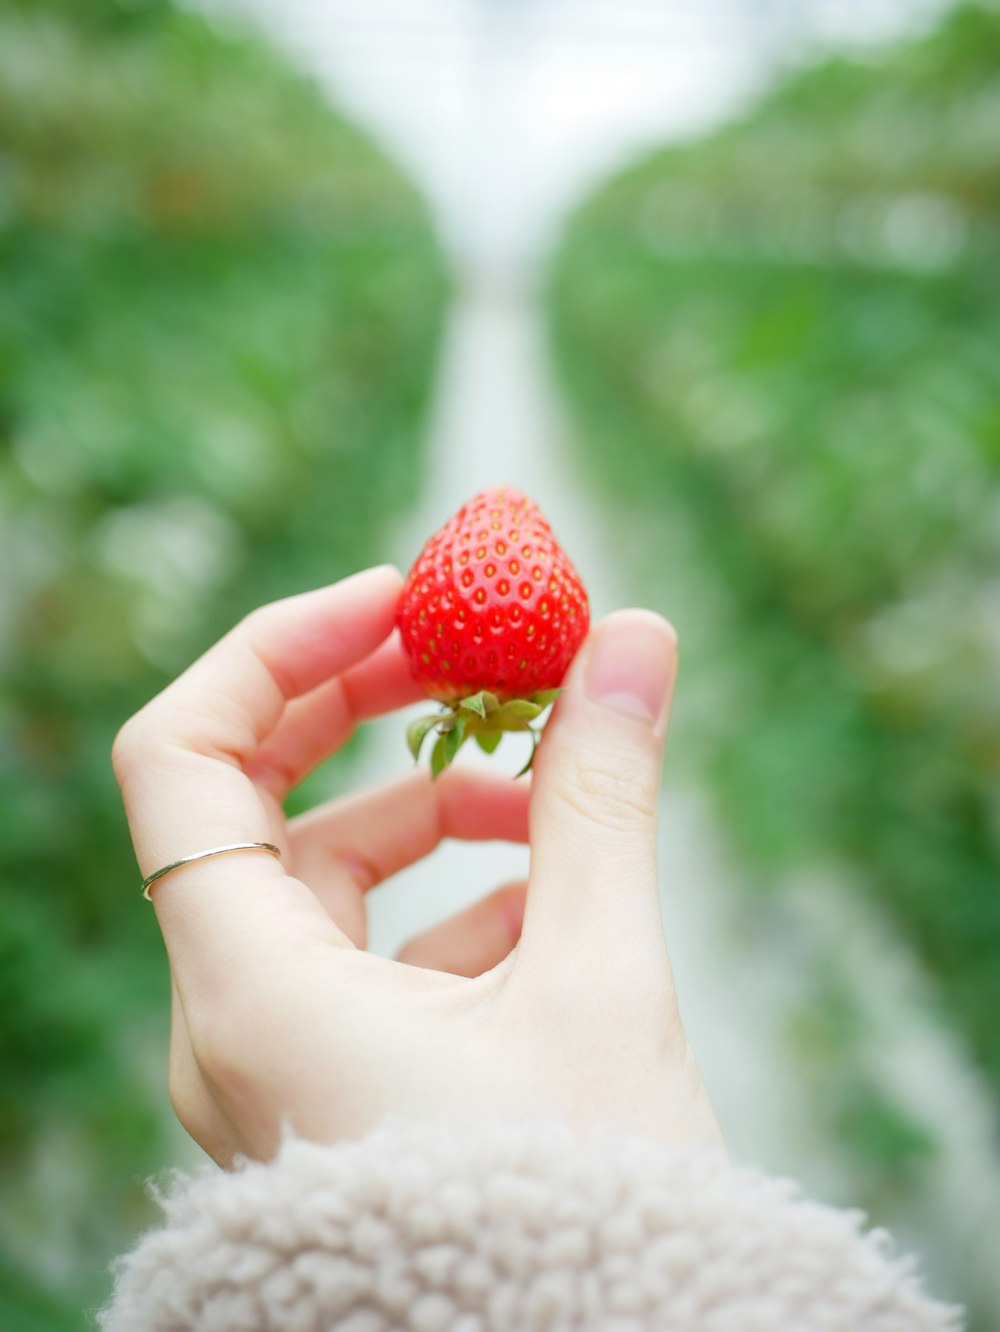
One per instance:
(531, 756)
(453, 740)
(481, 704)
(416, 733)
(546, 696)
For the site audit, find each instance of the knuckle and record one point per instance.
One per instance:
(257, 627)
(254, 622)
(615, 791)
(129, 746)
(143, 738)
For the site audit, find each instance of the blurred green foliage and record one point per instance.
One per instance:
(780, 346)
(219, 313)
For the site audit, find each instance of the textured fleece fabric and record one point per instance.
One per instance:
(444, 1227)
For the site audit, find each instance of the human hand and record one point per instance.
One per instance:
(279, 1015)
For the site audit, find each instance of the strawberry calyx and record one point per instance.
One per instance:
(480, 717)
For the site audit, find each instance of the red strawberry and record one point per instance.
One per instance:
(491, 616)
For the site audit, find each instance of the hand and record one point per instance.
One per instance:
(280, 1018)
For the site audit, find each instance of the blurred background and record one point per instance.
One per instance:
(281, 285)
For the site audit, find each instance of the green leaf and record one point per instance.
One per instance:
(531, 756)
(520, 707)
(515, 715)
(453, 740)
(475, 703)
(416, 733)
(546, 696)
(439, 759)
(488, 740)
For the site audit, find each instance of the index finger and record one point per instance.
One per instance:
(180, 760)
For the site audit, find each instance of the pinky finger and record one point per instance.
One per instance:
(474, 940)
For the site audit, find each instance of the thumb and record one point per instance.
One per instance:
(595, 789)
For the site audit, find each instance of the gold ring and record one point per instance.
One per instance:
(201, 855)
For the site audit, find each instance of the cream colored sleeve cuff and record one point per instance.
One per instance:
(449, 1227)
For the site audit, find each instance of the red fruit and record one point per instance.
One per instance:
(491, 616)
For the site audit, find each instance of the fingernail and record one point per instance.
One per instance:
(631, 665)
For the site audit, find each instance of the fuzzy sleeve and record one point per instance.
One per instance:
(508, 1228)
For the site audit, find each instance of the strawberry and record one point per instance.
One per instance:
(491, 616)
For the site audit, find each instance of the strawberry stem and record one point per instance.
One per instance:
(481, 716)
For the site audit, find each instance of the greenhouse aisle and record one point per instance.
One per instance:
(492, 109)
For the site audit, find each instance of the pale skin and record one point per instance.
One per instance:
(281, 1020)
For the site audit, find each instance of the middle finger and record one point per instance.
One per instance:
(344, 848)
